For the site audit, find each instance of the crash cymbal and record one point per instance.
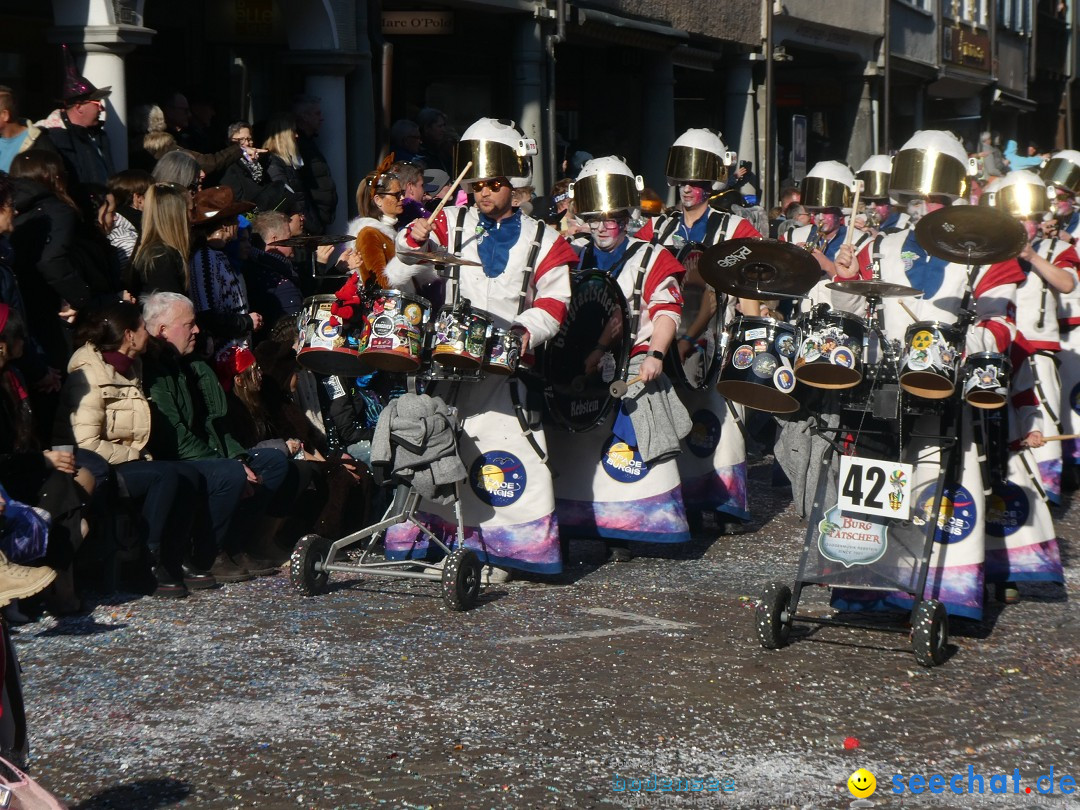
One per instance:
(970, 234)
(437, 257)
(312, 241)
(869, 288)
(759, 268)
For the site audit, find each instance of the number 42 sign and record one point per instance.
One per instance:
(870, 486)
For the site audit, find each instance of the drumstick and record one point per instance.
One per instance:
(914, 317)
(618, 388)
(1061, 438)
(850, 237)
(449, 193)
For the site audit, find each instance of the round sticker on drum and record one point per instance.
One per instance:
(704, 433)
(414, 314)
(918, 359)
(607, 367)
(622, 462)
(922, 339)
(382, 326)
(743, 357)
(842, 356)
(811, 350)
(765, 365)
(328, 330)
(498, 478)
(784, 379)
(785, 345)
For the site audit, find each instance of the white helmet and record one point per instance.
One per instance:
(1021, 194)
(828, 185)
(874, 174)
(699, 155)
(496, 149)
(1063, 170)
(606, 186)
(931, 162)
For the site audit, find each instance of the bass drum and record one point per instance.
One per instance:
(694, 364)
(757, 371)
(589, 353)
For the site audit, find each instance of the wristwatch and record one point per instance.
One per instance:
(657, 354)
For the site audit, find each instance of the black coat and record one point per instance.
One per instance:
(281, 172)
(267, 195)
(318, 184)
(86, 152)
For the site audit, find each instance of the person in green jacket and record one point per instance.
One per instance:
(189, 422)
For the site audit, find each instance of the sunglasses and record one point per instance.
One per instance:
(497, 184)
(397, 195)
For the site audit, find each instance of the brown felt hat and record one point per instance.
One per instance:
(217, 206)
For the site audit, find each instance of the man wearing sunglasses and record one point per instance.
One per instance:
(76, 131)
(713, 468)
(523, 281)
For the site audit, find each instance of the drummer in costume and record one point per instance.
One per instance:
(1021, 544)
(931, 167)
(524, 283)
(883, 214)
(620, 480)
(1062, 173)
(713, 462)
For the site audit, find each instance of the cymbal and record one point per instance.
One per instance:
(437, 257)
(312, 241)
(759, 268)
(971, 234)
(873, 288)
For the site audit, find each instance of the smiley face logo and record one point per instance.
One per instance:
(862, 784)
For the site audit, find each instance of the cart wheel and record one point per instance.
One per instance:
(773, 621)
(461, 579)
(930, 633)
(310, 550)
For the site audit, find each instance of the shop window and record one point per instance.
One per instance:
(1015, 15)
(974, 12)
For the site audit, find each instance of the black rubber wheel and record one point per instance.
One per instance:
(461, 579)
(310, 550)
(930, 633)
(771, 612)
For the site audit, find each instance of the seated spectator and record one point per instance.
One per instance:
(128, 189)
(104, 411)
(160, 262)
(189, 421)
(216, 287)
(179, 168)
(94, 256)
(272, 282)
(248, 177)
(37, 477)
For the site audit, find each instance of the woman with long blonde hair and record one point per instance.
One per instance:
(283, 161)
(160, 263)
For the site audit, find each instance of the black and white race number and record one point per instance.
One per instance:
(873, 487)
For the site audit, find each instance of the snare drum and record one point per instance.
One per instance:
(393, 331)
(327, 344)
(757, 371)
(928, 368)
(986, 380)
(461, 336)
(830, 349)
(503, 352)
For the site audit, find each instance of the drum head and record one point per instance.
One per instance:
(701, 319)
(577, 375)
(759, 397)
(927, 384)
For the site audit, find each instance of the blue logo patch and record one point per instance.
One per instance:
(956, 517)
(498, 478)
(1007, 509)
(704, 433)
(622, 462)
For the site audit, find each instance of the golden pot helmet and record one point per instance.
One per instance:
(606, 186)
(699, 155)
(874, 174)
(1021, 194)
(1062, 171)
(932, 162)
(496, 149)
(829, 184)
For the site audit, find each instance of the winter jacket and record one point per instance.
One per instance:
(281, 172)
(86, 152)
(266, 194)
(102, 410)
(318, 184)
(189, 412)
(161, 268)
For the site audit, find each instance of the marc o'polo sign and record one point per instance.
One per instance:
(418, 22)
